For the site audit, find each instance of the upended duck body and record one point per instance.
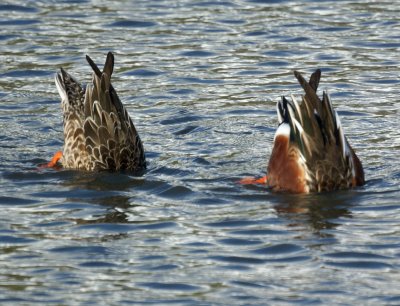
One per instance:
(98, 131)
(310, 151)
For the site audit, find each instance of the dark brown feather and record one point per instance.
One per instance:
(315, 134)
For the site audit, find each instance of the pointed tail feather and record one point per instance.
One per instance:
(108, 69)
(310, 89)
(314, 79)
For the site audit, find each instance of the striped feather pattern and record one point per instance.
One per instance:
(325, 159)
(98, 131)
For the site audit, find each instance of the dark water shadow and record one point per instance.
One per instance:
(317, 211)
(72, 189)
(108, 189)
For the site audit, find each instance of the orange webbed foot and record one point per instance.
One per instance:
(252, 180)
(53, 163)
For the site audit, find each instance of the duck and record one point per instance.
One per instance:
(310, 151)
(99, 134)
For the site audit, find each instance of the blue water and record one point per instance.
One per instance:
(200, 80)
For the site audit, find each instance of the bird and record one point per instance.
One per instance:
(310, 150)
(99, 134)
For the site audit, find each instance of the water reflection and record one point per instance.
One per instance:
(318, 212)
(111, 216)
(107, 189)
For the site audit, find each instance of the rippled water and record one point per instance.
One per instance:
(200, 79)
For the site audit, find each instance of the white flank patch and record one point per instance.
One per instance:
(329, 100)
(283, 130)
(298, 126)
(353, 170)
(302, 161)
(341, 135)
(280, 119)
(60, 89)
(291, 112)
(296, 104)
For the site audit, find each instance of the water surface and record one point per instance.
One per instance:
(200, 80)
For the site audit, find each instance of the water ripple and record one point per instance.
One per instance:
(132, 24)
(200, 80)
(18, 8)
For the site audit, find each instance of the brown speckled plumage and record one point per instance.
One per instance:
(98, 132)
